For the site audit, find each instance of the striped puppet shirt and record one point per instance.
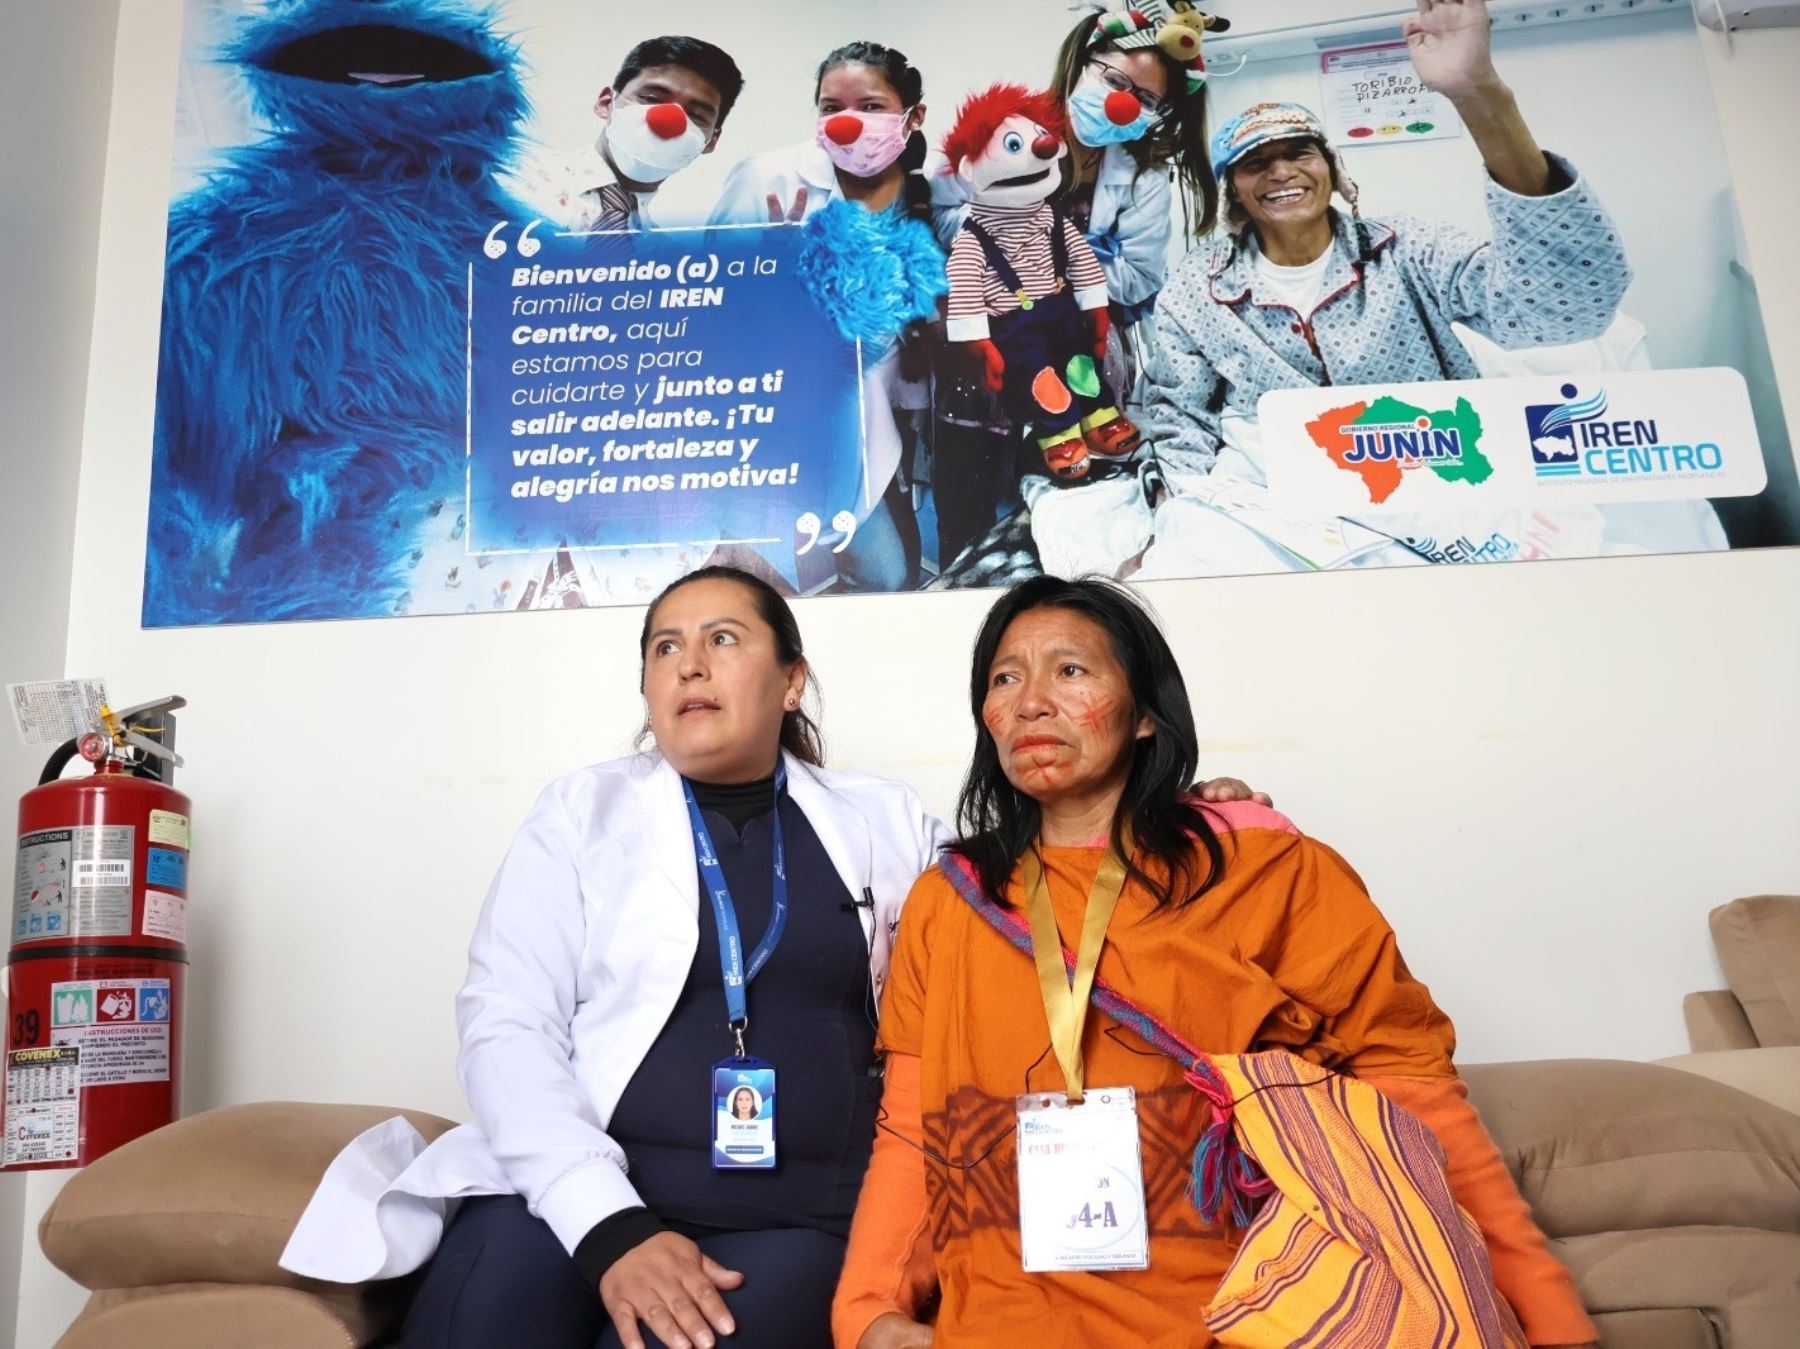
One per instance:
(1023, 234)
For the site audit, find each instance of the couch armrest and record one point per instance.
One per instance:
(1716, 1020)
(210, 1199)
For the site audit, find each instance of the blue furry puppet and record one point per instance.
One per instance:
(310, 402)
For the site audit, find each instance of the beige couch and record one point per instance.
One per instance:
(1748, 1036)
(1675, 1200)
(1758, 945)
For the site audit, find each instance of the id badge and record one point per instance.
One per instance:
(1081, 1182)
(743, 1104)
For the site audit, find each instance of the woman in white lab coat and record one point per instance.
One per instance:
(866, 149)
(600, 1045)
(595, 1012)
(1137, 119)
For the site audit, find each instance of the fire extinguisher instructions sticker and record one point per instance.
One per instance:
(166, 867)
(165, 915)
(100, 883)
(41, 885)
(43, 1106)
(169, 827)
(121, 1025)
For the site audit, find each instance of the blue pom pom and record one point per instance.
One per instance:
(871, 272)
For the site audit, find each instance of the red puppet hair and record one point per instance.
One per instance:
(982, 113)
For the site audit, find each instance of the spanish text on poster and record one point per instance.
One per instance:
(655, 388)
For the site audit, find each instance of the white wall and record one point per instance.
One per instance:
(1547, 773)
(56, 79)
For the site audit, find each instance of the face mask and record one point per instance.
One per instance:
(1088, 119)
(863, 144)
(633, 140)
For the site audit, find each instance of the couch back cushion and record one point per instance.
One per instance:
(1758, 941)
(1599, 1145)
(209, 1199)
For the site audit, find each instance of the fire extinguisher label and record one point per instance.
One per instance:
(41, 885)
(165, 915)
(74, 883)
(121, 1025)
(43, 1106)
(166, 867)
(169, 827)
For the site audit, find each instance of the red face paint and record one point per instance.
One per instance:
(1058, 705)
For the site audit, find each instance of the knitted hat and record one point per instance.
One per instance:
(1258, 125)
(1174, 26)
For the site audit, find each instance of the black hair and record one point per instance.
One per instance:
(906, 81)
(710, 63)
(1168, 825)
(800, 734)
(1177, 140)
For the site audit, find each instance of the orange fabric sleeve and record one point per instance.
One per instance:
(1333, 952)
(889, 1266)
(1541, 1291)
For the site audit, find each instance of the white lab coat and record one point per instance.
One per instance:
(744, 200)
(580, 953)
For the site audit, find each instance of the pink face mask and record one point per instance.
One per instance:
(863, 144)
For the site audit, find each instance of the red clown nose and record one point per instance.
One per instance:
(843, 129)
(1046, 146)
(666, 120)
(1122, 109)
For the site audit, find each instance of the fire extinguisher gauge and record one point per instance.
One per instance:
(94, 747)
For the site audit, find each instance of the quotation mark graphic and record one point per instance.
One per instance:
(495, 247)
(811, 527)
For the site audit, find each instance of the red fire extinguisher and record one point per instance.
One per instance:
(97, 975)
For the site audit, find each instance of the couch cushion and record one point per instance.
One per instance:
(1758, 941)
(208, 1199)
(1748, 1283)
(1687, 1328)
(1771, 1074)
(231, 1316)
(1598, 1145)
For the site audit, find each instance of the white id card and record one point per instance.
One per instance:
(1081, 1182)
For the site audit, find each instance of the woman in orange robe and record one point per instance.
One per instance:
(1232, 928)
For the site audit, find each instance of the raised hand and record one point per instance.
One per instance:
(1451, 46)
(791, 215)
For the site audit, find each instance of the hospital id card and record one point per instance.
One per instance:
(743, 1101)
(1081, 1182)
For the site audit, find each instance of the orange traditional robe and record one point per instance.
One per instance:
(1286, 952)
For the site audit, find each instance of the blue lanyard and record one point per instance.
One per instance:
(731, 947)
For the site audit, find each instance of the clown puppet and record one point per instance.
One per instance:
(1027, 294)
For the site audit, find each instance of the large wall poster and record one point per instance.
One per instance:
(431, 345)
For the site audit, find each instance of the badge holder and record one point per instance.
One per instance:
(1081, 1182)
(1081, 1170)
(743, 1086)
(743, 1104)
